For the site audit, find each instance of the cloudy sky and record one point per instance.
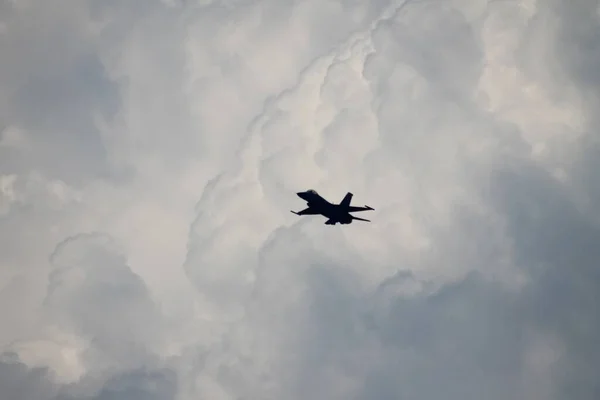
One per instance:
(150, 152)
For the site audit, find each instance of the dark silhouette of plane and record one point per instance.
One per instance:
(335, 213)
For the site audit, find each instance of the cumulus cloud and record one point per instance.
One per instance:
(150, 153)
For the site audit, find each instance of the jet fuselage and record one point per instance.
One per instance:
(335, 213)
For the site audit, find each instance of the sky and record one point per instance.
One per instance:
(150, 152)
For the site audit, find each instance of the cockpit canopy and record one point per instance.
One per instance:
(312, 191)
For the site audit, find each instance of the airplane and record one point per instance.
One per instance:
(335, 213)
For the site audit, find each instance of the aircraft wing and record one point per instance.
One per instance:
(306, 211)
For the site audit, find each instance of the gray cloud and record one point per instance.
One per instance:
(20, 382)
(93, 292)
(183, 130)
(53, 86)
(94, 296)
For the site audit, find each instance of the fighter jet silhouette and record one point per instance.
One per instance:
(335, 213)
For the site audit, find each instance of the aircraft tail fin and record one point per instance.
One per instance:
(346, 201)
(355, 209)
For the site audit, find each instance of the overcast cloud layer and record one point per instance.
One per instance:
(150, 152)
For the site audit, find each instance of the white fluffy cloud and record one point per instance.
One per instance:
(150, 153)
